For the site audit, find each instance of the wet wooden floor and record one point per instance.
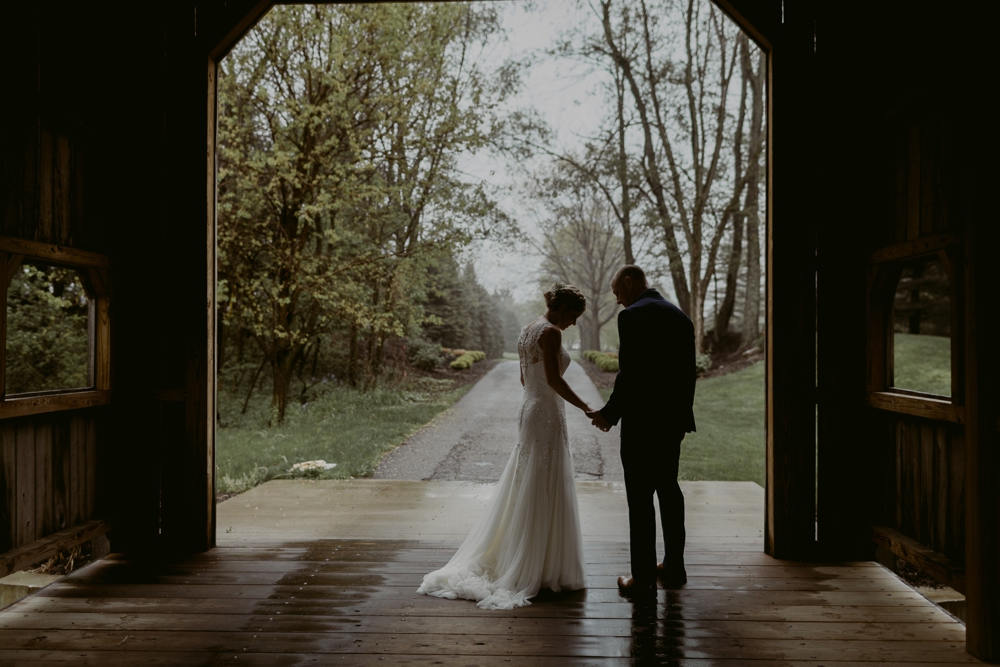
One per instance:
(352, 602)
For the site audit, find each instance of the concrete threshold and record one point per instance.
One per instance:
(718, 514)
(20, 585)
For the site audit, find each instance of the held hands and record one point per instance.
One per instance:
(598, 420)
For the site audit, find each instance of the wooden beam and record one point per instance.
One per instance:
(39, 404)
(233, 22)
(790, 516)
(46, 547)
(926, 560)
(756, 19)
(915, 248)
(982, 399)
(917, 406)
(54, 254)
(102, 345)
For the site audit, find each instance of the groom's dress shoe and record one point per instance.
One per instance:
(671, 577)
(629, 587)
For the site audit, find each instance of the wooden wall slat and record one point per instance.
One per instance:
(8, 483)
(900, 162)
(46, 141)
(77, 451)
(942, 480)
(29, 193)
(61, 480)
(955, 546)
(902, 485)
(62, 229)
(25, 501)
(927, 190)
(90, 474)
(913, 183)
(43, 479)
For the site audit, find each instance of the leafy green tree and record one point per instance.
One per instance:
(339, 130)
(447, 305)
(486, 328)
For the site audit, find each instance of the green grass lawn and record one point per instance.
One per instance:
(354, 429)
(729, 444)
(922, 363)
(346, 427)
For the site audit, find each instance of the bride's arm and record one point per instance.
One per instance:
(551, 343)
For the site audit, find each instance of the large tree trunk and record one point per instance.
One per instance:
(622, 172)
(352, 357)
(751, 310)
(282, 366)
(728, 305)
(725, 311)
(590, 331)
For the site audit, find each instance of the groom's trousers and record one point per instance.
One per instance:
(650, 458)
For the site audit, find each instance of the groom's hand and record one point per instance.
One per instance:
(598, 420)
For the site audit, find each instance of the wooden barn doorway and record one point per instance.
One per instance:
(790, 516)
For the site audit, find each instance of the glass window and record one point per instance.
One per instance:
(48, 317)
(921, 318)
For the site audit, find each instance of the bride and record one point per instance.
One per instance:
(529, 537)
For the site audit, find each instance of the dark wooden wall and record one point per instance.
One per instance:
(925, 489)
(50, 476)
(904, 138)
(50, 158)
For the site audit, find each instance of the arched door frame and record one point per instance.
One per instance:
(786, 36)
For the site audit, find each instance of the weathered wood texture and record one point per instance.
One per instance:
(905, 171)
(49, 475)
(41, 549)
(42, 185)
(928, 504)
(355, 603)
(56, 205)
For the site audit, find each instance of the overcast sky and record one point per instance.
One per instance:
(566, 94)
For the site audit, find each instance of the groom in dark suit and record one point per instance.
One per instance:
(653, 398)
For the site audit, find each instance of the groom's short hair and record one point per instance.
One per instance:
(637, 275)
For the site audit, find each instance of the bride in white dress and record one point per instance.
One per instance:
(529, 538)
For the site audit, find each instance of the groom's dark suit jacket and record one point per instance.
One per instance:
(655, 384)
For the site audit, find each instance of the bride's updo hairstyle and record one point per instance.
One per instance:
(565, 298)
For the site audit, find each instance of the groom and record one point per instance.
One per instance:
(653, 398)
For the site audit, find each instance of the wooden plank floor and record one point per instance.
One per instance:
(352, 602)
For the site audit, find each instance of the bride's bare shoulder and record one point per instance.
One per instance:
(550, 334)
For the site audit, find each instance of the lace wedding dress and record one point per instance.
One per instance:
(529, 538)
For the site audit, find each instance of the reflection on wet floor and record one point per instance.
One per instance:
(301, 602)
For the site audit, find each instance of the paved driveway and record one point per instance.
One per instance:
(473, 439)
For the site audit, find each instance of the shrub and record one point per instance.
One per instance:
(702, 362)
(424, 354)
(606, 362)
(467, 359)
